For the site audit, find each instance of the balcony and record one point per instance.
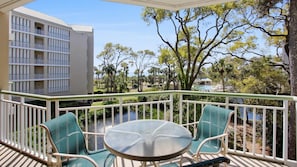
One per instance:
(258, 136)
(39, 46)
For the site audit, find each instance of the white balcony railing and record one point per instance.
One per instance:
(259, 128)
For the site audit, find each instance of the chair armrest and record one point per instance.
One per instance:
(76, 156)
(208, 139)
(87, 137)
(194, 125)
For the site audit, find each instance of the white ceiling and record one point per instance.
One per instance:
(7, 5)
(172, 4)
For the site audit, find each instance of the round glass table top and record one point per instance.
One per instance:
(148, 140)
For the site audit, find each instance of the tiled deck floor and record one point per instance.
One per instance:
(12, 158)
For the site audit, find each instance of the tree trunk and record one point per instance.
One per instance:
(292, 33)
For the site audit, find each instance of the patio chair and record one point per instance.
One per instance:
(68, 144)
(211, 131)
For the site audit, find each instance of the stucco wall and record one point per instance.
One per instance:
(81, 57)
(4, 41)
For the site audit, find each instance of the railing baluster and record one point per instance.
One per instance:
(151, 111)
(39, 114)
(274, 134)
(48, 117)
(264, 133)
(136, 112)
(254, 130)
(19, 129)
(121, 109)
(285, 129)
(104, 120)
(171, 107)
(235, 128)
(31, 127)
(187, 114)
(143, 111)
(129, 113)
(35, 111)
(57, 107)
(244, 129)
(43, 141)
(158, 111)
(112, 116)
(85, 112)
(95, 129)
(180, 108)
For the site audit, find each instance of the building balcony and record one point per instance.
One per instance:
(258, 133)
(39, 76)
(39, 31)
(20, 44)
(18, 27)
(39, 61)
(39, 46)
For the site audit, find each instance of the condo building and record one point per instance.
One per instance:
(48, 56)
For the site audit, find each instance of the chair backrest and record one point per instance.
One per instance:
(66, 135)
(213, 121)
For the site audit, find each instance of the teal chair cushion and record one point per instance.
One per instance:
(208, 147)
(170, 165)
(103, 158)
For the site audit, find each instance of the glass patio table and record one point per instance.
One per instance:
(148, 140)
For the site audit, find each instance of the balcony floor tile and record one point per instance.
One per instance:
(10, 157)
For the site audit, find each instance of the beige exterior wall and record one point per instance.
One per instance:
(4, 51)
(90, 62)
(49, 56)
(81, 60)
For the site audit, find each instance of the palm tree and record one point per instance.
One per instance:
(110, 71)
(223, 70)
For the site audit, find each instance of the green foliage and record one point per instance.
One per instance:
(141, 60)
(199, 34)
(222, 70)
(113, 57)
(262, 77)
(259, 75)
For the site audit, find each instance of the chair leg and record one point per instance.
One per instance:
(224, 152)
(197, 157)
(181, 161)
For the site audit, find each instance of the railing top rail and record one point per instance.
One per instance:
(96, 96)
(241, 95)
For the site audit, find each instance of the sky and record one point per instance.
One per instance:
(112, 22)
